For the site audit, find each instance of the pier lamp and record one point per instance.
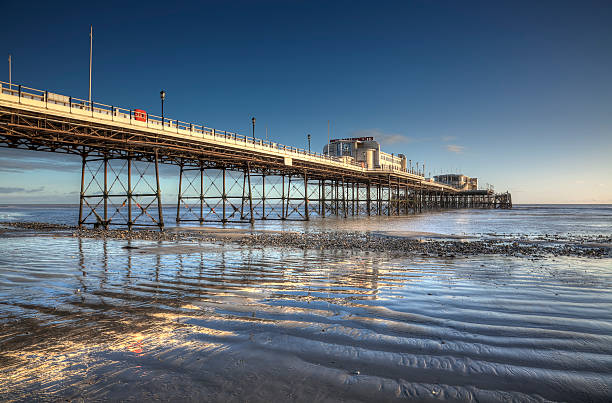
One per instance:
(308, 142)
(162, 95)
(253, 120)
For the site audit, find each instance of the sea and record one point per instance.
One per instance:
(86, 319)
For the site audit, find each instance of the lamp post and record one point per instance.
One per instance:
(308, 143)
(253, 120)
(162, 95)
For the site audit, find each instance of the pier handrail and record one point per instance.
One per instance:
(154, 121)
(177, 126)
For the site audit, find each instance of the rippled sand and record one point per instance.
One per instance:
(86, 318)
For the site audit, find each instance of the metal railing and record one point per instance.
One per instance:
(155, 122)
(167, 124)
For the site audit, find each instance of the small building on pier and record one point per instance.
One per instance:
(365, 151)
(458, 181)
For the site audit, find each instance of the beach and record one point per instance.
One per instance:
(237, 313)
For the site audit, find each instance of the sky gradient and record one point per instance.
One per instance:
(518, 94)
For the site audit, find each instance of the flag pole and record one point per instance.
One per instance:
(90, 54)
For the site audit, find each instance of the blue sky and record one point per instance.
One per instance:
(516, 93)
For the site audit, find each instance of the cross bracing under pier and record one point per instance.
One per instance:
(223, 177)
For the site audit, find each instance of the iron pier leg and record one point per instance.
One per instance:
(201, 193)
(244, 178)
(379, 199)
(422, 199)
(105, 195)
(263, 196)
(389, 197)
(283, 198)
(82, 196)
(129, 192)
(323, 198)
(335, 196)
(159, 201)
(178, 198)
(344, 204)
(353, 198)
(357, 185)
(369, 198)
(224, 197)
(397, 200)
(252, 220)
(307, 215)
(287, 212)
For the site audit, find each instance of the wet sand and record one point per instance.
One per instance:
(259, 317)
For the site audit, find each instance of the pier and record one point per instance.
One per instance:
(223, 176)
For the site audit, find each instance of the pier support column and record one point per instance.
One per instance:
(353, 198)
(244, 178)
(252, 220)
(306, 212)
(106, 184)
(201, 193)
(323, 198)
(263, 196)
(358, 198)
(224, 198)
(287, 213)
(178, 197)
(129, 192)
(159, 201)
(283, 213)
(82, 194)
(368, 199)
(105, 194)
(389, 207)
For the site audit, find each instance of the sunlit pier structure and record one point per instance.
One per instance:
(223, 176)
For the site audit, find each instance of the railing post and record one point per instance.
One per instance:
(19, 92)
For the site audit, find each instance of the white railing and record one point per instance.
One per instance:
(130, 116)
(153, 121)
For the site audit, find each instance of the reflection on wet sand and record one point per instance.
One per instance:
(113, 320)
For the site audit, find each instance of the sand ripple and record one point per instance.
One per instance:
(91, 319)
